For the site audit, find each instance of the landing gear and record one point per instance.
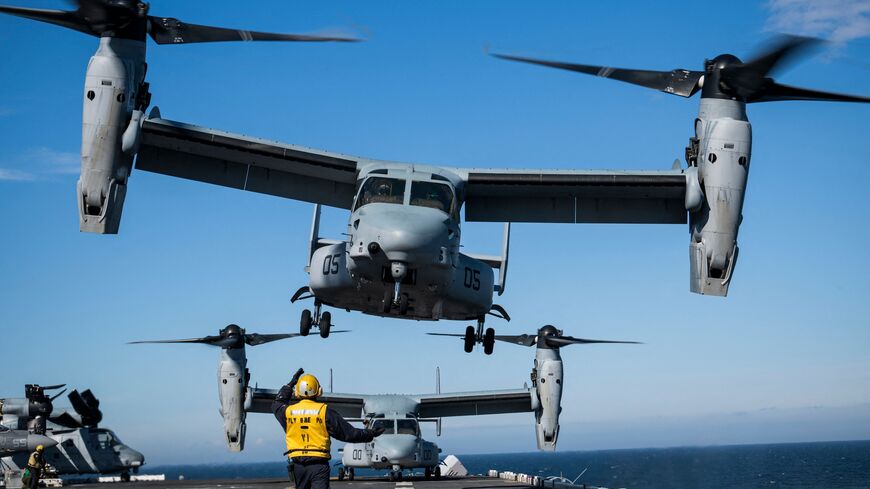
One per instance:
(341, 473)
(350, 474)
(428, 473)
(395, 475)
(486, 338)
(323, 321)
(325, 324)
(398, 300)
(438, 472)
(125, 477)
(305, 323)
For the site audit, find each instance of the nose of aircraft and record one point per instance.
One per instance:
(130, 457)
(405, 232)
(34, 440)
(396, 448)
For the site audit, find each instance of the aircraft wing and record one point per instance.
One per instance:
(246, 163)
(348, 405)
(476, 403)
(575, 196)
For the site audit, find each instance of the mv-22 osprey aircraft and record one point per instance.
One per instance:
(402, 445)
(401, 257)
(74, 442)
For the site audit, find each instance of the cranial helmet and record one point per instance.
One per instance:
(308, 387)
(39, 448)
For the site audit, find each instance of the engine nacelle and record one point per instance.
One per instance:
(547, 377)
(725, 143)
(232, 389)
(110, 133)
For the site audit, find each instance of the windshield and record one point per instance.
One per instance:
(431, 194)
(386, 424)
(381, 189)
(407, 427)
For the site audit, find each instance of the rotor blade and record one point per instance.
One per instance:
(208, 340)
(523, 339)
(677, 82)
(775, 92)
(167, 30)
(255, 339)
(78, 403)
(778, 54)
(62, 18)
(457, 335)
(52, 387)
(52, 398)
(570, 340)
(65, 419)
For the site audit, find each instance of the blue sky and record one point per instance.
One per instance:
(783, 358)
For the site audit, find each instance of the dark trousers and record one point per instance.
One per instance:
(312, 475)
(33, 483)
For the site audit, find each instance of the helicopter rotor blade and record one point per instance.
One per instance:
(523, 339)
(168, 30)
(677, 82)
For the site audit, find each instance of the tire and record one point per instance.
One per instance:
(305, 323)
(388, 301)
(437, 472)
(403, 304)
(350, 474)
(469, 339)
(489, 341)
(428, 473)
(392, 476)
(341, 473)
(325, 324)
(125, 477)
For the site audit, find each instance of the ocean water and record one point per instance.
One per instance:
(836, 465)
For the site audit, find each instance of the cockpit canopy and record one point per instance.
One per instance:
(398, 426)
(393, 190)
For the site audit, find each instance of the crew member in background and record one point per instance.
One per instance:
(35, 465)
(308, 425)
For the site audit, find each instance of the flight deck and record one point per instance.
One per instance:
(359, 483)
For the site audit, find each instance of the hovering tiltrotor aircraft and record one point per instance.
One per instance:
(74, 442)
(401, 414)
(402, 254)
(234, 391)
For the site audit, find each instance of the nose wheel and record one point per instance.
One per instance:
(479, 335)
(318, 319)
(397, 299)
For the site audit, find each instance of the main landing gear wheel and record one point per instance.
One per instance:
(341, 473)
(470, 339)
(350, 474)
(428, 473)
(125, 477)
(489, 341)
(305, 323)
(395, 475)
(325, 324)
(437, 472)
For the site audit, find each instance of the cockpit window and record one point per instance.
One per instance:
(431, 194)
(406, 427)
(386, 424)
(381, 189)
(105, 439)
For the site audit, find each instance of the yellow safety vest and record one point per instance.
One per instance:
(306, 429)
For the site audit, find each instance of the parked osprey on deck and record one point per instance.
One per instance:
(401, 257)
